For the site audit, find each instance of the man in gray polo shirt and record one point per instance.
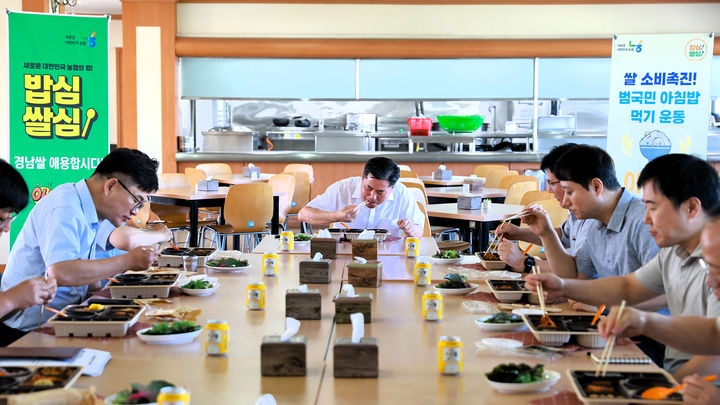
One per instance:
(678, 190)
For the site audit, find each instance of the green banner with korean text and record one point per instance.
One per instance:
(58, 98)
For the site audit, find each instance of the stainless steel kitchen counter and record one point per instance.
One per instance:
(440, 157)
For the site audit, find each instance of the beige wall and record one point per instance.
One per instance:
(450, 21)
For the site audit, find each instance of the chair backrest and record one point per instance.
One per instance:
(426, 229)
(297, 167)
(406, 180)
(301, 196)
(508, 181)
(405, 167)
(408, 174)
(517, 191)
(492, 180)
(485, 169)
(248, 207)
(283, 183)
(417, 188)
(215, 169)
(536, 195)
(194, 175)
(557, 214)
(419, 195)
(170, 213)
(173, 180)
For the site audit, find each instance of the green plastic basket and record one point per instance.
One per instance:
(460, 123)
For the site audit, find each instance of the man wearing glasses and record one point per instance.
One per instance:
(13, 199)
(66, 228)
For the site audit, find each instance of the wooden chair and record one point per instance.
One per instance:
(194, 175)
(557, 214)
(297, 167)
(248, 208)
(405, 167)
(408, 174)
(406, 180)
(508, 181)
(517, 191)
(173, 180)
(537, 195)
(493, 178)
(283, 183)
(485, 169)
(426, 228)
(215, 169)
(300, 197)
(140, 219)
(417, 186)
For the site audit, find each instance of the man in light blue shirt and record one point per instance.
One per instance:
(62, 232)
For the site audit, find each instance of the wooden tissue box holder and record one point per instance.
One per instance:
(442, 174)
(365, 248)
(300, 305)
(344, 306)
(326, 246)
(465, 202)
(315, 272)
(365, 274)
(355, 360)
(278, 358)
(248, 171)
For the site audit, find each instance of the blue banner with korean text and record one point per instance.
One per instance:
(659, 99)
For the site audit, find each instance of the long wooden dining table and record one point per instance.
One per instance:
(408, 358)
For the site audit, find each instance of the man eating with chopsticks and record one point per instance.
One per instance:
(14, 198)
(62, 232)
(374, 201)
(571, 232)
(678, 191)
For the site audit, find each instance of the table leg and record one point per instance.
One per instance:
(193, 240)
(275, 222)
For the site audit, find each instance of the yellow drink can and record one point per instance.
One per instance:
(287, 241)
(412, 247)
(432, 303)
(270, 264)
(422, 274)
(217, 334)
(450, 359)
(173, 396)
(256, 296)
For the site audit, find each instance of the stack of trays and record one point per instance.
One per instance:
(113, 320)
(620, 387)
(27, 379)
(173, 257)
(139, 285)
(507, 290)
(566, 326)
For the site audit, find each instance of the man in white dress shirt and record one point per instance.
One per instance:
(374, 201)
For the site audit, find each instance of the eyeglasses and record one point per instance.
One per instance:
(139, 202)
(552, 183)
(8, 220)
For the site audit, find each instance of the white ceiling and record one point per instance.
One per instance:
(95, 7)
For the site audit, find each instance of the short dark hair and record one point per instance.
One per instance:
(133, 164)
(382, 168)
(714, 214)
(679, 176)
(14, 194)
(548, 162)
(583, 163)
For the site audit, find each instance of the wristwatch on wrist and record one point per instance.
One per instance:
(529, 263)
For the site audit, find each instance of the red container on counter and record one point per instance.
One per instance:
(419, 126)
